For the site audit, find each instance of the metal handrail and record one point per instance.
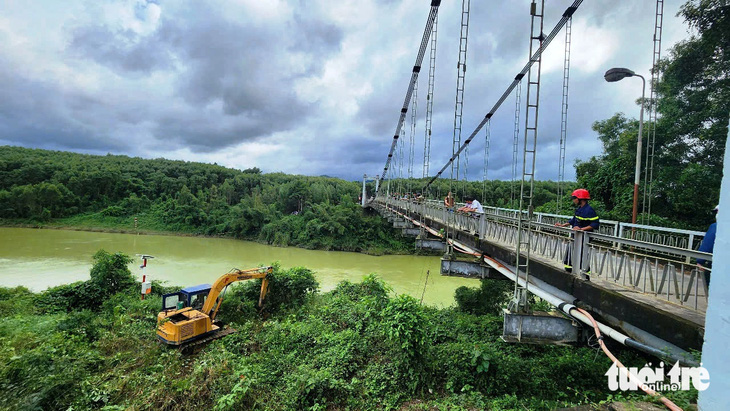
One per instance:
(667, 235)
(659, 270)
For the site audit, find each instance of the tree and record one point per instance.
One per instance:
(609, 177)
(694, 104)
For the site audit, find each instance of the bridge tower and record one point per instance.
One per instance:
(429, 99)
(516, 140)
(460, 80)
(529, 155)
(649, 164)
(564, 113)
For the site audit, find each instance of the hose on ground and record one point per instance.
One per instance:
(668, 403)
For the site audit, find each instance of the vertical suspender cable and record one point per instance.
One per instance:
(460, 79)
(429, 99)
(486, 163)
(649, 164)
(400, 162)
(515, 144)
(412, 139)
(529, 153)
(564, 114)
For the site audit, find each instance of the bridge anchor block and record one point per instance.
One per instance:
(401, 223)
(411, 232)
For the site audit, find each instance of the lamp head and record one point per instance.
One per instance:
(617, 73)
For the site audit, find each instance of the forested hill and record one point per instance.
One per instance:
(109, 191)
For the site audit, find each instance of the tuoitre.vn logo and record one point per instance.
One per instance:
(677, 379)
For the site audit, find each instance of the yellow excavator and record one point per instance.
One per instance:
(188, 316)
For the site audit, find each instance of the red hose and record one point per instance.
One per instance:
(669, 404)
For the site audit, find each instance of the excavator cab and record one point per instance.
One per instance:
(187, 297)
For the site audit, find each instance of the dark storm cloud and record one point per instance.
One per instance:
(35, 114)
(122, 50)
(247, 68)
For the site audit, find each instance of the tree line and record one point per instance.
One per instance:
(313, 212)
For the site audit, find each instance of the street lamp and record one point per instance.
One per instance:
(617, 74)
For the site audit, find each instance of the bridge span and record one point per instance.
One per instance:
(648, 285)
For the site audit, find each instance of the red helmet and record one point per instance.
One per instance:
(581, 194)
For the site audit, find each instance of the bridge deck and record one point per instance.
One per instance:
(632, 288)
(682, 310)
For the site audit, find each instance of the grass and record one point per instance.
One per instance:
(358, 346)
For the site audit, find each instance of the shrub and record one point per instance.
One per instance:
(109, 275)
(489, 298)
(287, 289)
(113, 211)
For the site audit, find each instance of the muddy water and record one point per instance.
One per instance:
(38, 259)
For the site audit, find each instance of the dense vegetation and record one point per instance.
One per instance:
(40, 186)
(91, 345)
(693, 104)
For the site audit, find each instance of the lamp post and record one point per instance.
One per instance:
(613, 75)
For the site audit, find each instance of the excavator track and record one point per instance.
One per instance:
(195, 346)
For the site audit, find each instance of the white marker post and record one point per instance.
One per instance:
(146, 285)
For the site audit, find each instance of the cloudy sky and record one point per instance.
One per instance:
(303, 86)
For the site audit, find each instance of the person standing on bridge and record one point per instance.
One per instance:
(707, 246)
(584, 219)
(449, 202)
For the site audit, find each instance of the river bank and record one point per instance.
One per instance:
(357, 346)
(147, 225)
(39, 258)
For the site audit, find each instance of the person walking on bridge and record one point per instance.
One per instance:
(584, 219)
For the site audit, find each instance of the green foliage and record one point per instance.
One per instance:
(489, 298)
(287, 289)
(355, 347)
(109, 275)
(112, 191)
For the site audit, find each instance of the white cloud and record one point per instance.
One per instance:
(309, 87)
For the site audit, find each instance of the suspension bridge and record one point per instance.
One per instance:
(639, 279)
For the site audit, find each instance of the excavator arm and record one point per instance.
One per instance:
(214, 299)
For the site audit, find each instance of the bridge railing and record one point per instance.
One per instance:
(657, 269)
(685, 239)
(663, 271)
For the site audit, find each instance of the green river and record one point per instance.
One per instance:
(38, 259)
